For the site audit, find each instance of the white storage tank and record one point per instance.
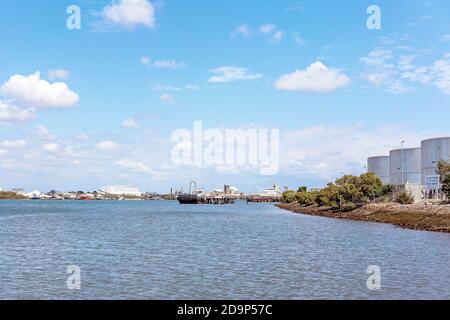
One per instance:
(405, 166)
(434, 150)
(380, 167)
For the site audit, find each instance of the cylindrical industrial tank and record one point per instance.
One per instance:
(405, 166)
(380, 167)
(434, 150)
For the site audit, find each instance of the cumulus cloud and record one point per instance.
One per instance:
(12, 113)
(33, 91)
(316, 78)
(13, 144)
(107, 145)
(130, 123)
(130, 13)
(58, 74)
(231, 74)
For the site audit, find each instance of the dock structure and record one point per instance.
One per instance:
(205, 199)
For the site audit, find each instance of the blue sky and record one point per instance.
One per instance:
(154, 68)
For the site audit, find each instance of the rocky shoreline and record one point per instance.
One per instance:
(425, 217)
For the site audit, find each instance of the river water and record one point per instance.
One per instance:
(163, 250)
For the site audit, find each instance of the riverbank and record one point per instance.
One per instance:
(424, 217)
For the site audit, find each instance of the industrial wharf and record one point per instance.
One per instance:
(205, 199)
(196, 196)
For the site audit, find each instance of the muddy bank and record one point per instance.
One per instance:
(416, 216)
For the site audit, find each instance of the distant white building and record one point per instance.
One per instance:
(34, 194)
(122, 190)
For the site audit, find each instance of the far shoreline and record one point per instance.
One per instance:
(418, 217)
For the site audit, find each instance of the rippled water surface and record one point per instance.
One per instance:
(163, 250)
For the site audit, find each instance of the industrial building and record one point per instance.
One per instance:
(433, 150)
(411, 168)
(122, 190)
(407, 170)
(380, 166)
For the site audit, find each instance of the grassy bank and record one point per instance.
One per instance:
(415, 216)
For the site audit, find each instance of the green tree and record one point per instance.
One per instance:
(306, 199)
(443, 168)
(289, 196)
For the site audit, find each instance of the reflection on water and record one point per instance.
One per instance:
(162, 250)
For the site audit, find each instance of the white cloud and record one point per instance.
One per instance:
(32, 91)
(316, 78)
(3, 152)
(277, 37)
(107, 145)
(231, 74)
(146, 61)
(130, 123)
(406, 62)
(168, 64)
(12, 113)
(13, 144)
(267, 28)
(130, 13)
(298, 39)
(50, 147)
(163, 64)
(58, 74)
(377, 57)
(398, 87)
(168, 98)
(242, 30)
(134, 166)
(440, 71)
(43, 132)
(398, 74)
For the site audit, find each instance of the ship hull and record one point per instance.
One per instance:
(188, 199)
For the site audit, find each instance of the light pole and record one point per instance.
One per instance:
(403, 159)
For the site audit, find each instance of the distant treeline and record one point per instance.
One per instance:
(7, 195)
